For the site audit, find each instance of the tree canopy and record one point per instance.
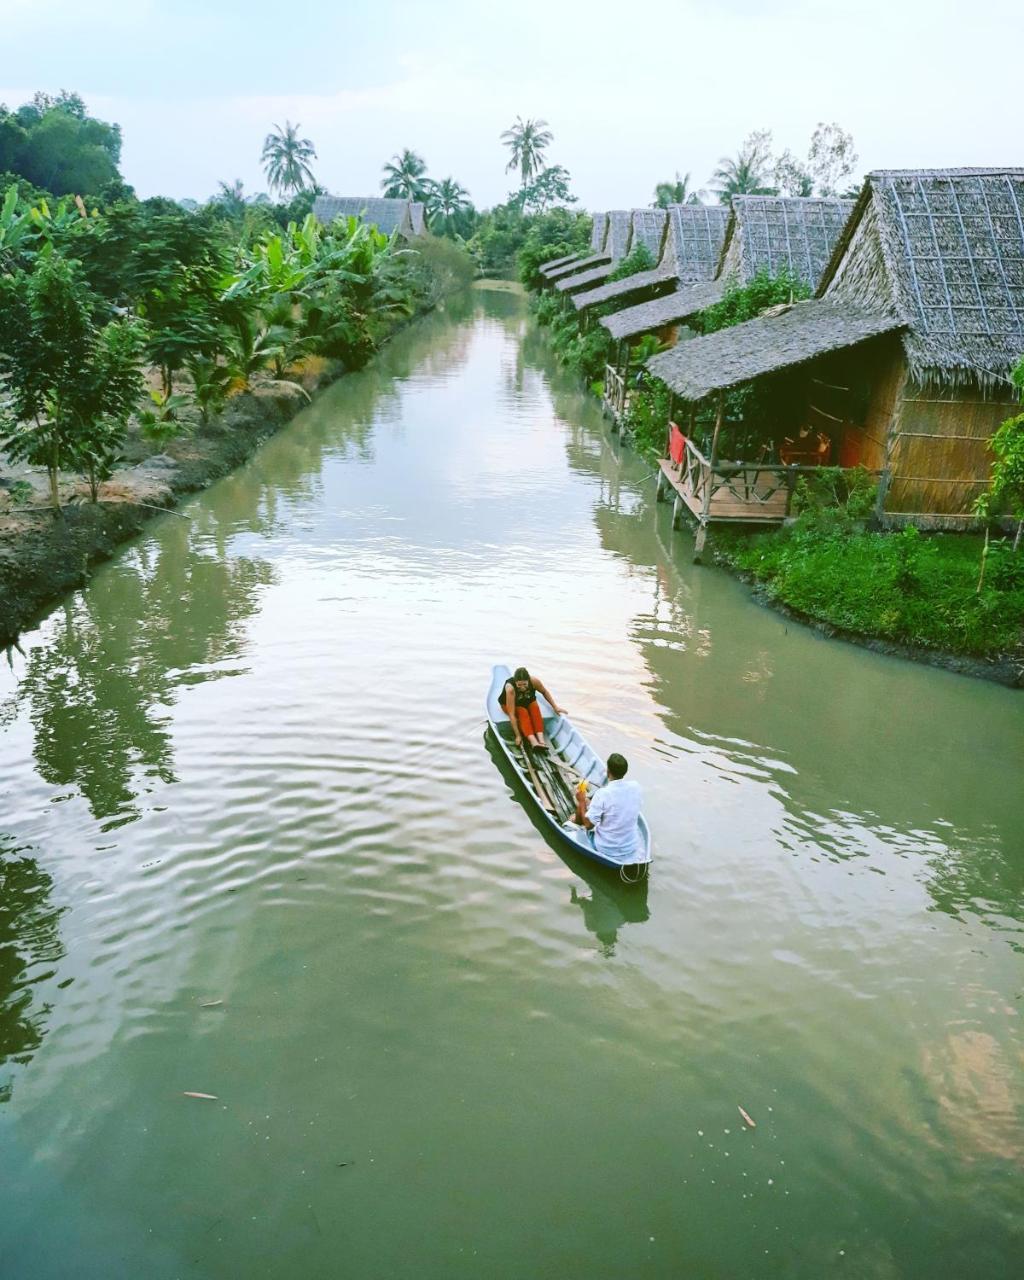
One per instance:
(53, 143)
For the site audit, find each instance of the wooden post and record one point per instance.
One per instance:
(698, 546)
(661, 491)
(677, 512)
(718, 428)
(883, 491)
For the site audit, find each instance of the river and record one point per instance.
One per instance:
(253, 844)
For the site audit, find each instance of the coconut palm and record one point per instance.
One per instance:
(527, 140)
(405, 177)
(747, 173)
(678, 192)
(286, 159)
(231, 198)
(445, 201)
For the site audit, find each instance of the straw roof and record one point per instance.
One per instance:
(693, 243)
(950, 246)
(580, 264)
(418, 216)
(620, 228)
(772, 342)
(598, 231)
(388, 216)
(696, 233)
(783, 233)
(675, 308)
(649, 226)
(555, 263)
(585, 279)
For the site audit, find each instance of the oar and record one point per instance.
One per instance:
(556, 786)
(545, 799)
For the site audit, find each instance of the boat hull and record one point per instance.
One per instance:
(578, 758)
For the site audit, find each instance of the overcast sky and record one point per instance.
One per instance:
(632, 92)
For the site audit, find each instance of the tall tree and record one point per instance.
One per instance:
(527, 140)
(747, 173)
(831, 157)
(55, 144)
(549, 187)
(678, 192)
(405, 176)
(286, 159)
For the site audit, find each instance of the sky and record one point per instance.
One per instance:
(632, 95)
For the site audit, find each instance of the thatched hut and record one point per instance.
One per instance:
(618, 241)
(690, 252)
(388, 216)
(598, 231)
(901, 363)
(762, 233)
(599, 254)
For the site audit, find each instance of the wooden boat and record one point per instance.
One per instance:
(551, 777)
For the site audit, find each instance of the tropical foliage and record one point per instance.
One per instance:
(747, 173)
(286, 159)
(677, 192)
(215, 299)
(526, 140)
(404, 176)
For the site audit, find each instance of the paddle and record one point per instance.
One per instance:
(542, 795)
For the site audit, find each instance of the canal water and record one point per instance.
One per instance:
(253, 844)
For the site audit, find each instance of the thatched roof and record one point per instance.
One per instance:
(693, 243)
(388, 216)
(696, 233)
(648, 229)
(784, 233)
(768, 344)
(555, 263)
(675, 308)
(580, 264)
(585, 279)
(950, 244)
(620, 228)
(598, 231)
(418, 215)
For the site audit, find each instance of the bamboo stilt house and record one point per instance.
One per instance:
(599, 253)
(902, 361)
(690, 252)
(618, 242)
(388, 216)
(598, 231)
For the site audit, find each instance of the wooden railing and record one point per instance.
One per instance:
(614, 391)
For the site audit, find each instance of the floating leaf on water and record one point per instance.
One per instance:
(210, 1004)
(210, 1097)
(746, 1117)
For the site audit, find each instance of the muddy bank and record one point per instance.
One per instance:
(43, 557)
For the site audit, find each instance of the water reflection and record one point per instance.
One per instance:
(99, 689)
(30, 947)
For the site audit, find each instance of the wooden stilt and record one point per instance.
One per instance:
(661, 490)
(698, 546)
(677, 512)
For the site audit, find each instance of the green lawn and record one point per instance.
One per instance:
(905, 587)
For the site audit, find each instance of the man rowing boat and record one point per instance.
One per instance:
(610, 815)
(520, 700)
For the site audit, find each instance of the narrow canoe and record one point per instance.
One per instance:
(550, 778)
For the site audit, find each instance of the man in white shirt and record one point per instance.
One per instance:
(612, 813)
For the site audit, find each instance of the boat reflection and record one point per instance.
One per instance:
(609, 902)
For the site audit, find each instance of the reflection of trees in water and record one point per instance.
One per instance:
(30, 947)
(95, 691)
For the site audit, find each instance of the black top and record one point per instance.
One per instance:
(523, 699)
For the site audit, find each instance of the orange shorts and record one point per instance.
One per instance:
(530, 719)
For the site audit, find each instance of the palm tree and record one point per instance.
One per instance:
(286, 159)
(445, 201)
(405, 177)
(231, 198)
(527, 141)
(678, 192)
(745, 174)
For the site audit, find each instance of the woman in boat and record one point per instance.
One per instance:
(520, 701)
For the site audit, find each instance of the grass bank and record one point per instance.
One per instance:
(904, 592)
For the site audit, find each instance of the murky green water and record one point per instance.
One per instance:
(248, 765)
